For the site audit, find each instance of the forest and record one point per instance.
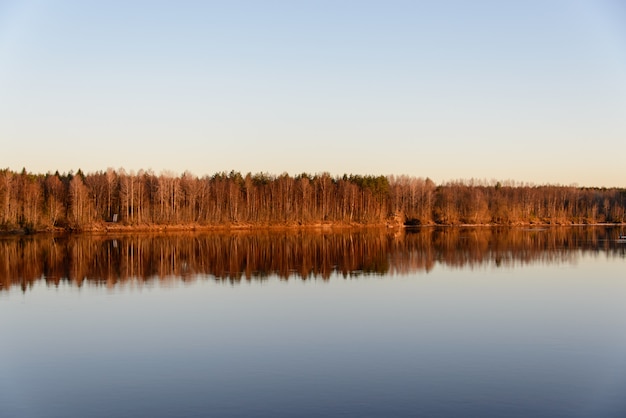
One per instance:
(117, 198)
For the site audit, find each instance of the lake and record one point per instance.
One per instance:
(435, 322)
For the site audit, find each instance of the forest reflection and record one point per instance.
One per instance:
(106, 260)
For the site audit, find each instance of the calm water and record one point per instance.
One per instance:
(435, 323)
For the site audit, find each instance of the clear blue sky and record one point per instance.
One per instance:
(524, 90)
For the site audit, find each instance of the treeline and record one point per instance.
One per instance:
(110, 260)
(79, 201)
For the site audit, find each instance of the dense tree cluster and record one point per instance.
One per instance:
(35, 201)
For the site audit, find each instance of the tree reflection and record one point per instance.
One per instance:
(112, 260)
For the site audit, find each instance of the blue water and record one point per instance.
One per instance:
(545, 339)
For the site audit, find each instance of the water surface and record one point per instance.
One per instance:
(439, 322)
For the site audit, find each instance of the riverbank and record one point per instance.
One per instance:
(106, 228)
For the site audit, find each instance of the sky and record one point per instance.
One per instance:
(530, 91)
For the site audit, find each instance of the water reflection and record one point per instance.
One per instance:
(110, 260)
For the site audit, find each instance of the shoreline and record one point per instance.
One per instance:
(108, 228)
